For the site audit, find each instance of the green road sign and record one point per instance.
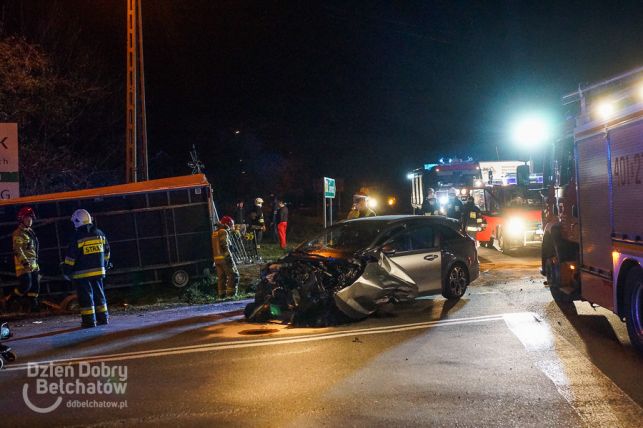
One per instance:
(329, 187)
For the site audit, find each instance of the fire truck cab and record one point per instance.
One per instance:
(513, 214)
(593, 242)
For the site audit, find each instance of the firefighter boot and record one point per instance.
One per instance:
(102, 316)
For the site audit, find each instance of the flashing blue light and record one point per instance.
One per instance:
(428, 166)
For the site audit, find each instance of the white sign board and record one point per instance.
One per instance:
(9, 183)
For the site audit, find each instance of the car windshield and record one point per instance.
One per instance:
(351, 236)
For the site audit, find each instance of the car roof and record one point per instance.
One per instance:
(390, 219)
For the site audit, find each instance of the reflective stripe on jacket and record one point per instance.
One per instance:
(88, 253)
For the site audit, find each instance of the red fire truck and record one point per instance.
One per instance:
(513, 215)
(593, 242)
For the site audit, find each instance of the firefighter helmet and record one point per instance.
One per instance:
(25, 212)
(227, 220)
(258, 201)
(81, 217)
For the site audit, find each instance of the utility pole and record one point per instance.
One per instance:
(135, 168)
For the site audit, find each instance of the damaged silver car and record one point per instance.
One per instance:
(355, 266)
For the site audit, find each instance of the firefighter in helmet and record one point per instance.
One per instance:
(227, 273)
(472, 221)
(257, 221)
(25, 256)
(86, 263)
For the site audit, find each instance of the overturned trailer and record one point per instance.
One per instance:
(159, 231)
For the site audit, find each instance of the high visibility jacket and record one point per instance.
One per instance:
(25, 250)
(256, 218)
(472, 218)
(356, 213)
(430, 207)
(221, 246)
(88, 253)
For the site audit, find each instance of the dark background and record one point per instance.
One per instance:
(364, 91)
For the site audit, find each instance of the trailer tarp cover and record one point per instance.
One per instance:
(182, 182)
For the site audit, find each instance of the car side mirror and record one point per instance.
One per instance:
(388, 249)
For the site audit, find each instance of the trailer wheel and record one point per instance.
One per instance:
(634, 307)
(180, 278)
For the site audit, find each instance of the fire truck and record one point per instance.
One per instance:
(441, 177)
(593, 242)
(511, 210)
(513, 216)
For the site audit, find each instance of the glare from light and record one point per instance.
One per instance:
(639, 91)
(515, 226)
(477, 183)
(457, 191)
(410, 176)
(531, 130)
(444, 200)
(605, 109)
(372, 203)
(391, 201)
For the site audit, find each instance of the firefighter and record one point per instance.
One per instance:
(360, 207)
(257, 222)
(86, 263)
(25, 257)
(454, 206)
(430, 205)
(227, 273)
(472, 221)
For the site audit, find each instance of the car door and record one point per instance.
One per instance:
(418, 253)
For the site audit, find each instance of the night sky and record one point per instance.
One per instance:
(360, 90)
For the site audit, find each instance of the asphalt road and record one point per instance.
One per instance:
(504, 355)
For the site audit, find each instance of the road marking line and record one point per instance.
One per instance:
(239, 344)
(596, 399)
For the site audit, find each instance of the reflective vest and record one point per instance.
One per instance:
(88, 253)
(25, 250)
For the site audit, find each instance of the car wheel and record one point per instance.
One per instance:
(634, 307)
(456, 281)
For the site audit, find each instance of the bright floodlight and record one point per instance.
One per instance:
(605, 109)
(531, 130)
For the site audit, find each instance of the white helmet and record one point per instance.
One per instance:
(81, 217)
(258, 201)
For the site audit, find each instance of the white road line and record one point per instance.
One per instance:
(593, 396)
(240, 344)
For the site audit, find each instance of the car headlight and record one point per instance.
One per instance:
(515, 226)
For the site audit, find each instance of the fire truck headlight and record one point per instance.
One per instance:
(372, 203)
(515, 226)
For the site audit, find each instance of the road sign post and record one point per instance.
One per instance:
(329, 193)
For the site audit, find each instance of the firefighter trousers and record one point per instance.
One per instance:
(92, 301)
(227, 278)
(29, 285)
